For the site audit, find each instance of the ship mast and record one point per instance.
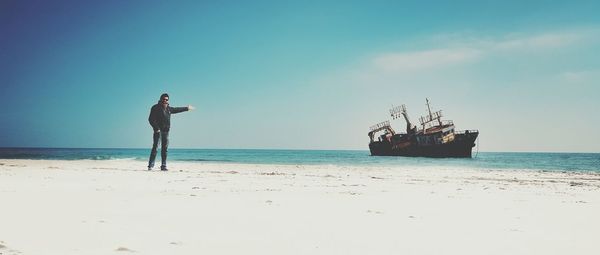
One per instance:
(409, 126)
(395, 113)
(405, 114)
(431, 115)
(429, 109)
(430, 118)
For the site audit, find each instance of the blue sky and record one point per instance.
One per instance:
(298, 75)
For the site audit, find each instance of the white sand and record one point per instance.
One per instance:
(116, 207)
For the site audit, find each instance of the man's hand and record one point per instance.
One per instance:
(157, 131)
(190, 108)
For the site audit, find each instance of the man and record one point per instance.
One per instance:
(160, 120)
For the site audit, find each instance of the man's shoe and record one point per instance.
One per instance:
(149, 168)
(163, 168)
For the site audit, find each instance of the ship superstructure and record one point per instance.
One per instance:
(433, 137)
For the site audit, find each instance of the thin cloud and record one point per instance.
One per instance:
(428, 59)
(579, 77)
(543, 41)
(469, 49)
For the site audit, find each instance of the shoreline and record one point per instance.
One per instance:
(116, 206)
(399, 166)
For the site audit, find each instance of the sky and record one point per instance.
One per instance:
(298, 74)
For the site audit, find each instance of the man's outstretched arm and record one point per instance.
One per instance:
(181, 109)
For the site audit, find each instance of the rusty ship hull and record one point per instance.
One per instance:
(461, 147)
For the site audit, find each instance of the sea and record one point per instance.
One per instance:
(537, 161)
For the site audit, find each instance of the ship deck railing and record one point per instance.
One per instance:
(437, 124)
(470, 131)
(447, 122)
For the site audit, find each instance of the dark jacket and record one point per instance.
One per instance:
(160, 117)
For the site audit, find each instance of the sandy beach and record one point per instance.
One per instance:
(117, 207)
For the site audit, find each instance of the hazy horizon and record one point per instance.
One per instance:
(282, 149)
(298, 75)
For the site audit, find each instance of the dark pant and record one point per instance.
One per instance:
(164, 142)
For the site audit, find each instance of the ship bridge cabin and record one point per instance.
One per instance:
(433, 130)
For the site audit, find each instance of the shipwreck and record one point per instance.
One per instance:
(433, 138)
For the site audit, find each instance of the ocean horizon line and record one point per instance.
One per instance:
(267, 149)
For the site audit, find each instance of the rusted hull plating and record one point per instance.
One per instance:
(461, 147)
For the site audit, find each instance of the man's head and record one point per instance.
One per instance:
(164, 99)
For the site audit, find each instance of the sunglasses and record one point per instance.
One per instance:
(165, 99)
